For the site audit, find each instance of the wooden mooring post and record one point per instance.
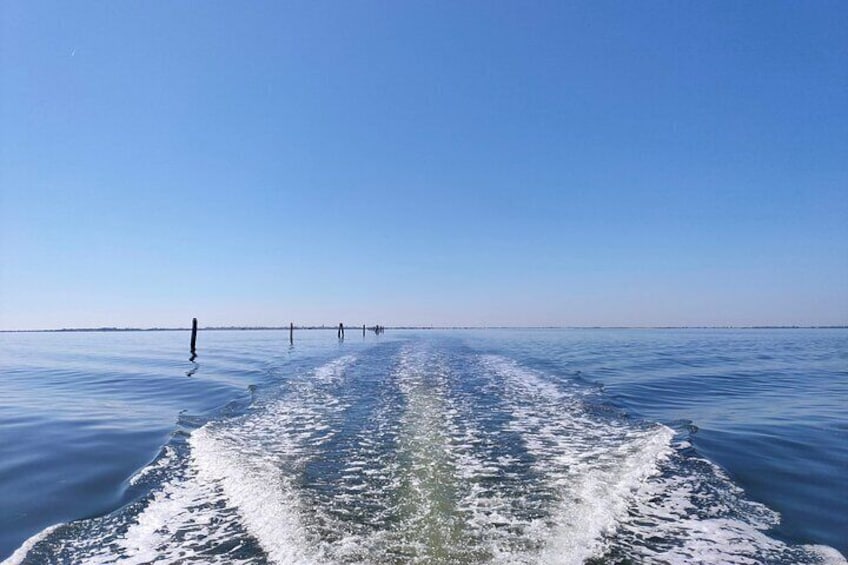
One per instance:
(193, 335)
(341, 331)
(291, 333)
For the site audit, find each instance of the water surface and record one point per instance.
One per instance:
(530, 446)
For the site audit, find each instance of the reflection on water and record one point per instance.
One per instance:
(194, 365)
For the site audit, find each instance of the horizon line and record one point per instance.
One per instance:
(423, 327)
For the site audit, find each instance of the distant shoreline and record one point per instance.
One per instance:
(352, 327)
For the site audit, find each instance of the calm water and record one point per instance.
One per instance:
(536, 446)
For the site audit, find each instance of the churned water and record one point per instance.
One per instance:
(530, 446)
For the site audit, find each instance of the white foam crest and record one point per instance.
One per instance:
(185, 519)
(160, 463)
(592, 467)
(182, 521)
(17, 558)
(598, 496)
(237, 486)
(334, 369)
(827, 554)
(625, 488)
(255, 462)
(693, 513)
(262, 494)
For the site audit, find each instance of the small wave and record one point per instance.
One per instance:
(165, 459)
(591, 466)
(17, 558)
(693, 513)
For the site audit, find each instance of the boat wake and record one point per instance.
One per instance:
(421, 455)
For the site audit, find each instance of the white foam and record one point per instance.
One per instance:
(827, 554)
(20, 554)
(162, 462)
(237, 483)
(263, 496)
(695, 514)
(593, 467)
(334, 370)
(624, 487)
(633, 487)
(432, 474)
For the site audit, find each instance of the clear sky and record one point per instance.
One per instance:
(508, 163)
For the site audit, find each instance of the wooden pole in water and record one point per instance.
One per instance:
(291, 333)
(193, 334)
(363, 330)
(341, 330)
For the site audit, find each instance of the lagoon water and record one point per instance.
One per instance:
(496, 446)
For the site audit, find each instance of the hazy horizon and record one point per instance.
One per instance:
(353, 328)
(603, 164)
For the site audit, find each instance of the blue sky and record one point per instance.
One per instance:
(526, 163)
